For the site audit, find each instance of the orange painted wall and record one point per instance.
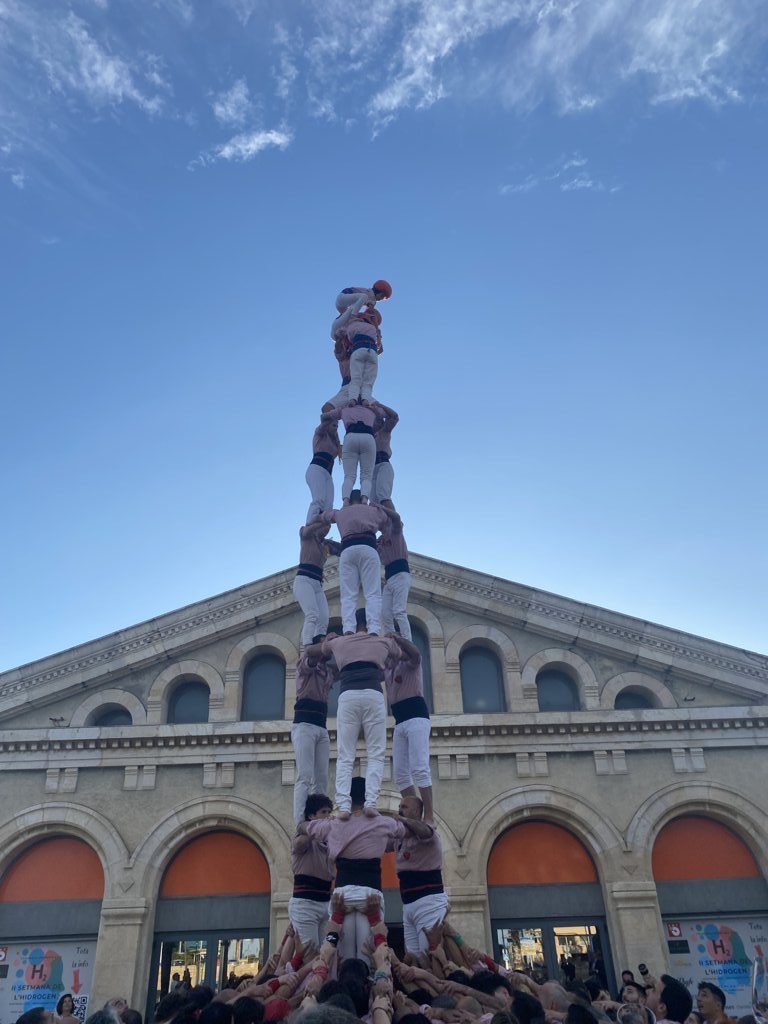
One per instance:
(61, 868)
(389, 872)
(693, 847)
(539, 853)
(217, 863)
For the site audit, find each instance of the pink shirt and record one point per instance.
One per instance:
(384, 434)
(356, 519)
(360, 838)
(311, 549)
(404, 680)
(392, 544)
(419, 854)
(313, 681)
(355, 414)
(361, 647)
(314, 861)
(325, 439)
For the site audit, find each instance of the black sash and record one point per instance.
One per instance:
(358, 427)
(411, 707)
(324, 459)
(315, 572)
(313, 712)
(362, 341)
(360, 675)
(396, 566)
(308, 887)
(358, 871)
(415, 884)
(368, 537)
(382, 457)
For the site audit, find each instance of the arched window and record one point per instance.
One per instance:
(556, 691)
(189, 703)
(264, 688)
(482, 682)
(111, 715)
(632, 700)
(422, 642)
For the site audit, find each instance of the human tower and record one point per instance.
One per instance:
(375, 647)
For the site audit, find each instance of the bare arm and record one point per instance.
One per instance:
(340, 323)
(409, 649)
(419, 828)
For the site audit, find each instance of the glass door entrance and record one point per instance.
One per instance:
(216, 959)
(554, 950)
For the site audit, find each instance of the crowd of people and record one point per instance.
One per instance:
(449, 981)
(334, 964)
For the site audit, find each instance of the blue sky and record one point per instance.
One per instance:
(569, 199)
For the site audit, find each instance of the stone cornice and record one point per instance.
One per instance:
(466, 734)
(167, 636)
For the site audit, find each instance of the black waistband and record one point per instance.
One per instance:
(358, 871)
(415, 884)
(313, 712)
(360, 675)
(315, 572)
(324, 459)
(396, 566)
(359, 428)
(345, 380)
(382, 457)
(308, 887)
(411, 707)
(362, 341)
(368, 538)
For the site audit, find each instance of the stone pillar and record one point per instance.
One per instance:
(634, 921)
(123, 952)
(469, 914)
(278, 918)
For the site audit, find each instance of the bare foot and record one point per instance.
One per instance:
(344, 815)
(370, 811)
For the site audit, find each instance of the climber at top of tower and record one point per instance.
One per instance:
(378, 292)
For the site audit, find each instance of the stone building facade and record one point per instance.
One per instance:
(595, 775)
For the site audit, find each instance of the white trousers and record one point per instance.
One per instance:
(363, 368)
(366, 710)
(320, 484)
(356, 928)
(423, 913)
(308, 919)
(312, 750)
(394, 604)
(358, 450)
(360, 565)
(410, 754)
(313, 602)
(383, 479)
(341, 398)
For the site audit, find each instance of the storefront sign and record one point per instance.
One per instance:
(720, 950)
(39, 973)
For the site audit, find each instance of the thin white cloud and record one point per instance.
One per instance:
(74, 61)
(576, 53)
(19, 179)
(233, 106)
(245, 146)
(568, 174)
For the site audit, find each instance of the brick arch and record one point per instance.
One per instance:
(501, 645)
(579, 670)
(205, 814)
(659, 694)
(546, 803)
(109, 698)
(169, 678)
(44, 821)
(241, 654)
(709, 800)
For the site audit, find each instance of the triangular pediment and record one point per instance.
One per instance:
(437, 587)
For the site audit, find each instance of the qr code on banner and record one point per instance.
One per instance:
(81, 1008)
